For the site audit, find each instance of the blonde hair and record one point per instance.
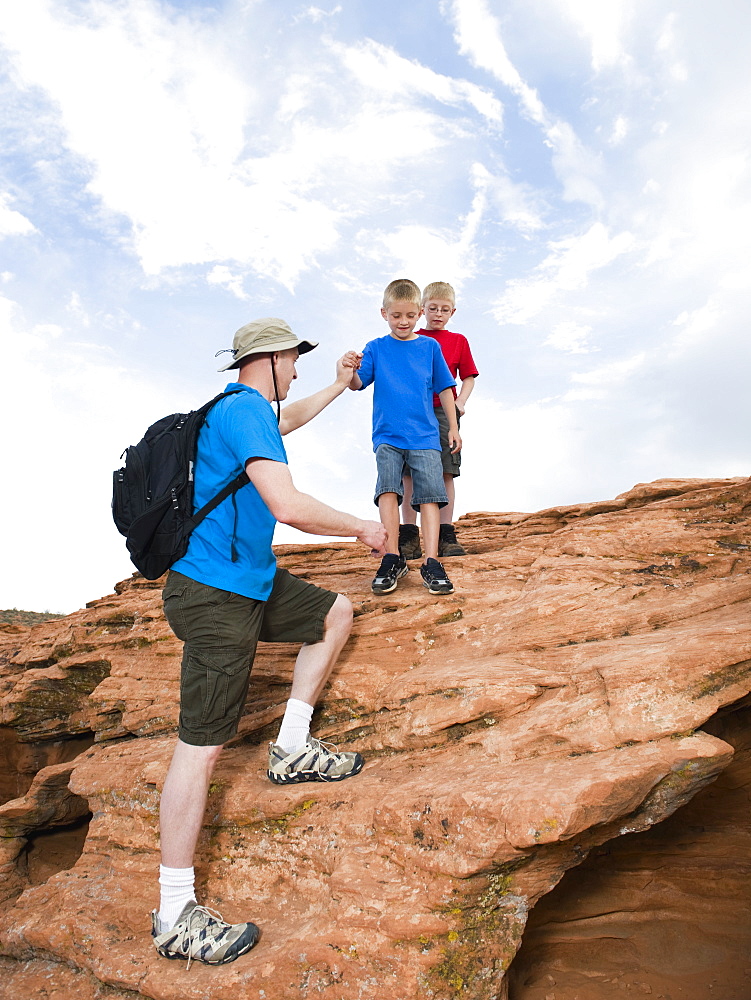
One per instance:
(439, 290)
(401, 290)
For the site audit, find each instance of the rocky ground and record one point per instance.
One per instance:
(587, 681)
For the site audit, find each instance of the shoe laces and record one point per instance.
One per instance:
(206, 914)
(328, 748)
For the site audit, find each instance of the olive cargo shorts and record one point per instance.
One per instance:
(220, 631)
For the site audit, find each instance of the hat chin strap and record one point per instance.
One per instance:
(276, 389)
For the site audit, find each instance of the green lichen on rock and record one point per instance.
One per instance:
(476, 953)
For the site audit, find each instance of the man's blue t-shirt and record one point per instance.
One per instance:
(405, 374)
(238, 428)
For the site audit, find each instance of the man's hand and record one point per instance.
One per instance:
(346, 367)
(374, 536)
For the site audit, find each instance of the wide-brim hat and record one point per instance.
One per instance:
(264, 336)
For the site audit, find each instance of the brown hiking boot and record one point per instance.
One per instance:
(409, 541)
(447, 543)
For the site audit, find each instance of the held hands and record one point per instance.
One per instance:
(346, 367)
(373, 535)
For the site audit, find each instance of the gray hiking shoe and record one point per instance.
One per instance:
(391, 570)
(316, 761)
(434, 577)
(409, 541)
(447, 543)
(201, 935)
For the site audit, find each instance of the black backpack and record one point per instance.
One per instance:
(152, 494)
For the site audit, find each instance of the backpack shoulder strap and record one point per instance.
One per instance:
(234, 485)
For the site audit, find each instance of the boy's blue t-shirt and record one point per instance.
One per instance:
(405, 374)
(238, 428)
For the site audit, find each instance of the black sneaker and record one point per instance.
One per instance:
(391, 569)
(434, 577)
(447, 543)
(409, 541)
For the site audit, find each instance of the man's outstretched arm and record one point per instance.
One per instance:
(303, 410)
(289, 506)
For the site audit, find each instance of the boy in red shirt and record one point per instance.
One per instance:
(439, 305)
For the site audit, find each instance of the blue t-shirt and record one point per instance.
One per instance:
(238, 428)
(405, 374)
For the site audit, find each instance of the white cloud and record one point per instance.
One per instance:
(63, 549)
(478, 34)
(566, 268)
(479, 37)
(570, 337)
(382, 70)
(603, 25)
(221, 275)
(13, 223)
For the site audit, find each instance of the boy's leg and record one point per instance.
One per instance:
(409, 515)
(447, 512)
(390, 465)
(430, 494)
(430, 519)
(388, 509)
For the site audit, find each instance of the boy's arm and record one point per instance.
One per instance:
(449, 408)
(465, 392)
(303, 410)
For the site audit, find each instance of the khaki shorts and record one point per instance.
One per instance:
(220, 631)
(449, 462)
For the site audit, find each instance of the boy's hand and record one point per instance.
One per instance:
(346, 366)
(455, 442)
(373, 535)
(460, 407)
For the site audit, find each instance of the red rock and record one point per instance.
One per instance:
(553, 703)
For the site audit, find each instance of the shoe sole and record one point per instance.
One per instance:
(402, 572)
(299, 776)
(438, 591)
(458, 551)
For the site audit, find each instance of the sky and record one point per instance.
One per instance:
(577, 170)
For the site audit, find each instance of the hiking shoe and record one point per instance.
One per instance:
(316, 761)
(409, 541)
(447, 543)
(200, 934)
(434, 577)
(391, 569)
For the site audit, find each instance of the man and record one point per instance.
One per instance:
(224, 595)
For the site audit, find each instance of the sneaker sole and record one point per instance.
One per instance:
(436, 590)
(382, 590)
(300, 776)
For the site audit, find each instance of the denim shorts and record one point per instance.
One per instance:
(423, 464)
(451, 463)
(220, 631)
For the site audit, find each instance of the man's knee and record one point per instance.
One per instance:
(340, 615)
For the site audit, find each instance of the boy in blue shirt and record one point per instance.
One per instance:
(406, 370)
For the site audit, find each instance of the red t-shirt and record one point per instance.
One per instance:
(456, 353)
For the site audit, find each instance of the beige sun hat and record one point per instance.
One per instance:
(263, 336)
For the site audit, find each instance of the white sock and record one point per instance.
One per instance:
(295, 725)
(177, 888)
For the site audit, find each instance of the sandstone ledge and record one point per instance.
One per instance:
(553, 703)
